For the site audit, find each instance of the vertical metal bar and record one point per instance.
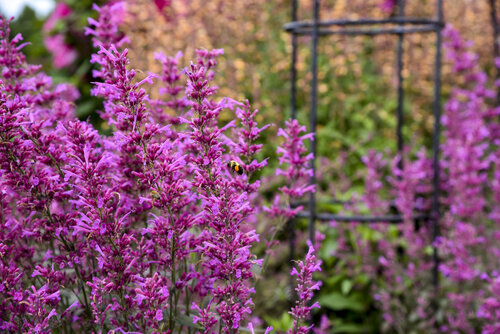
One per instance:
(435, 147)
(496, 42)
(293, 105)
(399, 69)
(293, 68)
(313, 118)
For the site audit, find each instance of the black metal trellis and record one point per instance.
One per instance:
(400, 26)
(496, 39)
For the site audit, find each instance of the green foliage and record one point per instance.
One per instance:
(72, 27)
(339, 302)
(280, 324)
(30, 26)
(346, 295)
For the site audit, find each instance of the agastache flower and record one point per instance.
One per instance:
(106, 34)
(170, 76)
(490, 309)
(131, 232)
(293, 154)
(411, 190)
(205, 318)
(387, 6)
(63, 54)
(226, 248)
(301, 312)
(466, 162)
(208, 60)
(375, 164)
(324, 326)
(152, 298)
(61, 11)
(245, 143)
(268, 329)
(106, 31)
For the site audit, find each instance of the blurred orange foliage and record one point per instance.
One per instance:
(257, 50)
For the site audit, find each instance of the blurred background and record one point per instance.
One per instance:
(357, 99)
(257, 57)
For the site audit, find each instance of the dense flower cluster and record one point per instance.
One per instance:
(146, 230)
(490, 309)
(469, 191)
(149, 230)
(467, 157)
(468, 177)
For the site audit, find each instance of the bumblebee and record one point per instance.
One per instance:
(235, 167)
(155, 195)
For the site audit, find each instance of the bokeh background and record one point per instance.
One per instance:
(356, 73)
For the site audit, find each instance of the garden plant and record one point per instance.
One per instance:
(167, 208)
(145, 230)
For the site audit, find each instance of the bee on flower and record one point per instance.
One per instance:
(236, 167)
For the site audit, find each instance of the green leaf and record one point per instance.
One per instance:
(282, 324)
(362, 279)
(346, 286)
(187, 321)
(351, 328)
(428, 250)
(337, 301)
(333, 280)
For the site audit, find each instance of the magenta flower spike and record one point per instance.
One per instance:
(301, 312)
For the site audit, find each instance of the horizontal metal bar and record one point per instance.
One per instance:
(367, 31)
(328, 23)
(332, 201)
(389, 219)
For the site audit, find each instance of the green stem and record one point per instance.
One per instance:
(82, 282)
(271, 241)
(172, 287)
